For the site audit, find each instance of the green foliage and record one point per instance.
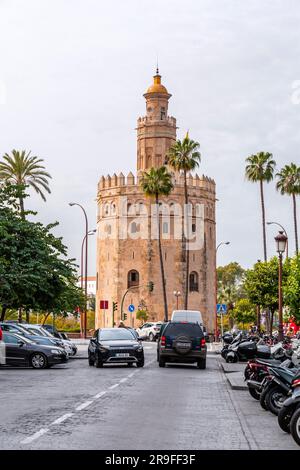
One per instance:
(289, 180)
(142, 314)
(230, 286)
(291, 289)
(244, 311)
(184, 155)
(156, 182)
(34, 270)
(260, 167)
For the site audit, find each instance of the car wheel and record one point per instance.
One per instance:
(275, 399)
(98, 362)
(284, 418)
(295, 426)
(140, 363)
(91, 361)
(161, 362)
(38, 361)
(151, 337)
(254, 393)
(202, 364)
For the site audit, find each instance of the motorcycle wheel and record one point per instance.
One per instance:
(284, 418)
(274, 399)
(231, 360)
(247, 373)
(254, 393)
(295, 426)
(262, 399)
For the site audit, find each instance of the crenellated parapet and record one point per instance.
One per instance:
(149, 120)
(120, 180)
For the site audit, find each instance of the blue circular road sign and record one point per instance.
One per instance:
(131, 308)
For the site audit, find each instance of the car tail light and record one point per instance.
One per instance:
(202, 342)
(295, 383)
(163, 341)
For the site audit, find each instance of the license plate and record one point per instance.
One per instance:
(183, 345)
(122, 354)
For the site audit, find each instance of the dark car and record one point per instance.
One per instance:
(115, 345)
(181, 342)
(20, 351)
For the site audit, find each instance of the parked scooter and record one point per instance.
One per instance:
(290, 406)
(247, 349)
(276, 387)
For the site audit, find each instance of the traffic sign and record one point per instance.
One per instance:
(221, 309)
(104, 304)
(131, 308)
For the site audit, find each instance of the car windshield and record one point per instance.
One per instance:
(190, 329)
(115, 334)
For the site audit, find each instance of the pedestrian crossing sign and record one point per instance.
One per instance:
(221, 309)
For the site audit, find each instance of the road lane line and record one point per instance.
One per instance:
(62, 418)
(35, 436)
(113, 386)
(131, 375)
(99, 395)
(123, 380)
(84, 405)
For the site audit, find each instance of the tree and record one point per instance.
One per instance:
(34, 270)
(185, 156)
(261, 286)
(142, 314)
(20, 168)
(291, 289)
(244, 311)
(259, 169)
(155, 183)
(289, 183)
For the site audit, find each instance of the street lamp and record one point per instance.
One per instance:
(285, 232)
(177, 294)
(86, 259)
(91, 232)
(281, 241)
(216, 293)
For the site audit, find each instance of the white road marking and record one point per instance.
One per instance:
(131, 375)
(35, 436)
(99, 395)
(123, 380)
(84, 405)
(113, 386)
(62, 418)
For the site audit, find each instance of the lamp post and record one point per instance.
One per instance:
(84, 325)
(281, 241)
(177, 294)
(216, 291)
(285, 232)
(86, 260)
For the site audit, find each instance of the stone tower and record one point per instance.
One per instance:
(127, 247)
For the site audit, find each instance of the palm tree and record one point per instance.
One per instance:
(158, 182)
(259, 169)
(185, 156)
(289, 183)
(22, 169)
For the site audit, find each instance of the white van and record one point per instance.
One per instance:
(192, 316)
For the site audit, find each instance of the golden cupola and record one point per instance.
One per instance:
(157, 86)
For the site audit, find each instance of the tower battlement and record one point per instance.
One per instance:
(116, 181)
(149, 119)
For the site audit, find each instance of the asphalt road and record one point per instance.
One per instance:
(74, 406)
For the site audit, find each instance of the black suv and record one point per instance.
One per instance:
(115, 345)
(181, 342)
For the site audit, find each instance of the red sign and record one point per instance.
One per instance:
(104, 304)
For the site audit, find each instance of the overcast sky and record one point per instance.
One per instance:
(72, 75)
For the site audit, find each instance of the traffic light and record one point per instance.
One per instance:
(115, 306)
(150, 286)
(125, 316)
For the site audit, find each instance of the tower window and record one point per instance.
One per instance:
(134, 227)
(165, 227)
(133, 278)
(194, 282)
(194, 228)
(162, 113)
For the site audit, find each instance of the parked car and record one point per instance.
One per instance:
(20, 351)
(41, 331)
(72, 348)
(31, 335)
(115, 345)
(150, 330)
(182, 342)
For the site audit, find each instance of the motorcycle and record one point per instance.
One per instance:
(247, 349)
(289, 407)
(276, 387)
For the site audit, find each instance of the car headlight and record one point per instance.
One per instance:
(139, 348)
(56, 351)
